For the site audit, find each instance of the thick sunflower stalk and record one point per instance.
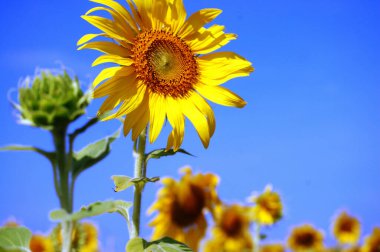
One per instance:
(52, 102)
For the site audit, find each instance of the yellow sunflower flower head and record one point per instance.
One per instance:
(346, 229)
(305, 238)
(275, 247)
(40, 243)
(84, 238)
(231, 231)
(164, 67)
(372, 242)
(268, 207)
(181, 207)
(353, 249)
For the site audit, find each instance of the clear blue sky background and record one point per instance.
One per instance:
(311, 127)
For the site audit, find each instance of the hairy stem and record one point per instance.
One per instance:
(138, 173)
(256, 238)
(63, 183)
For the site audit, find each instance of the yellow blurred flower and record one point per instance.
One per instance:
(181, 207)
(84, 238)
(165, 68)
(40, 243)
(372, 242)
(268, 207)
(90, 241)
(276, 247)
(353, 249)
(305, 238)
(231, 231)
(346, 229)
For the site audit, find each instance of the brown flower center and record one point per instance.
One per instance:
(306, 239)
(231, 223)
(347, 226)
(188, 205)
(165, 63)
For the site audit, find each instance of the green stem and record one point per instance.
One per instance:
(139, 173)
(256, 238)
(64, 183)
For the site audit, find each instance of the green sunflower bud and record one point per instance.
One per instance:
(49, 101)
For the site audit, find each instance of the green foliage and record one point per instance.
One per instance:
(94, 209)
(165, 244)
(92, 154)
(14, 239)
(50, 101)
(123, 182)
(164, 153)
(48, 155)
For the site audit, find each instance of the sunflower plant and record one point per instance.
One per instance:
(52, 102)
(164, 69)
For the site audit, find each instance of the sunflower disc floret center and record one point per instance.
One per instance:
(164, 63)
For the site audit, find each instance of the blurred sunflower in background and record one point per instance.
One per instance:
(275, 247)
(231, 231)
(84, 238)
(346, 229)
(268, 207)
(41, 243)
(166, 67)
(305, 238)
(372, 242)
(181, 207)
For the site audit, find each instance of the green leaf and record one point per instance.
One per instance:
(93, 153)
(163, 153)
(121, 182)
(165, 244)
(94, 209)
(48, 155)
(15, 239)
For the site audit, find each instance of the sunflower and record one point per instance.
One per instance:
(346, 229)
(372, 242)
(40, 243)
(276, 247)
(231, 231)
(181, 207)
(84, 238)
(165, 67)
(305, 238)
(268, 208)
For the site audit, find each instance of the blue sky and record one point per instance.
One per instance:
(311, 126)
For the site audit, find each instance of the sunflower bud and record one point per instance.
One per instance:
(50, 101)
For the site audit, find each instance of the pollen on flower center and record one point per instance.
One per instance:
(164, 63)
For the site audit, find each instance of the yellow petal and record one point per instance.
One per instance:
(220, 95)
(136, 119)
(205, 109)
(107, 47)
(120, 10)
(175, 15)
(217, 68)
(106, 26)
(106, 73)
(109, 104)
(109, 58)
(157, 108)
(197, 20)
(198, 120)
(176, 119)
(88, 37)
(136, 95)
(114, 85)
(211, 39)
